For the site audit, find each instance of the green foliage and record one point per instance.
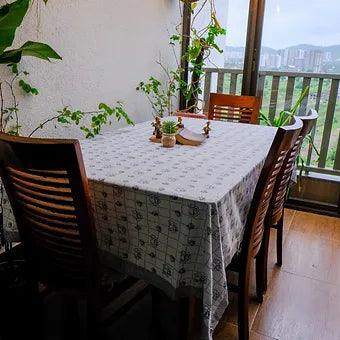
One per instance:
(11, 17)
(27, 88)
(169, 127)
(174, 39)
(331, 155)
(203, 41)
(159, 96)
(98, 118)
(284, 117)
(30, 48)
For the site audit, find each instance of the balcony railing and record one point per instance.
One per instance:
(280, 90)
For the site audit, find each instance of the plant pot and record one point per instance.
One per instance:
(168, 140)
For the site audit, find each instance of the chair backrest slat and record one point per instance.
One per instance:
(47, 187)
(284, 177)
(284, 140)
(190, 115)
(241, 109)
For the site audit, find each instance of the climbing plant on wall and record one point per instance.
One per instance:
(90, 122)
(163, 94)
(11, 18)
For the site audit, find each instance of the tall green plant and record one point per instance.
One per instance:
(163, 94)
(283, 119)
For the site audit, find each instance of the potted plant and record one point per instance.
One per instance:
(169, 131)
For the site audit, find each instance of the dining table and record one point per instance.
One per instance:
(173, 216)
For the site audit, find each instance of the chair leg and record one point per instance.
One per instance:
(243, 305)
(260, 278)
(176, 324)
(70, 317)
(194, 314)
(156, 315)
(279, 241)
(262, 266)
(94, 317)
(36, 315)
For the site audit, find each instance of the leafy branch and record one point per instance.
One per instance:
(11, 17)
(98, 118)
(284, 117)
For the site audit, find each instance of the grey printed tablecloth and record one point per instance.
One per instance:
(175, 216)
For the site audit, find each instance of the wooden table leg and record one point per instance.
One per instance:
(180, 319)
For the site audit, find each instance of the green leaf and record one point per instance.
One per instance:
(30, 48)
(28, 88)
(15, 69)
(169, 126)
(39, 50)
(103, 106)
(299, 101)
(11, 16)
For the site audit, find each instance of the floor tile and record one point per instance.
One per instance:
(229, 332)
(302, 301)
(307, 255)
(321, 226)
(334, 270)
(231, 313)
(297, 307)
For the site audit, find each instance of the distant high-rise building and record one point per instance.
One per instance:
(300, 59)
(314, 60)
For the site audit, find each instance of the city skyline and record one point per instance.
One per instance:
(306, 58)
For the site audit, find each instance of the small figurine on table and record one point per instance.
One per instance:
(180, 124)
(207, 129)
(157, 124)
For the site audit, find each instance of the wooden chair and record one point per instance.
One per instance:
(48, 190)
(240, 109)
(190, 115)
(275, 213)
(252, 245)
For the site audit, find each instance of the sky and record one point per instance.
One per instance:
(287, 22)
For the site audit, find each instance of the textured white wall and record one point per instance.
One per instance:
(107, 46)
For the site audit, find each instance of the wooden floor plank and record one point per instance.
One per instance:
(303, 298)
(307, 255)
(320, 226)
(229, 332)
(297, 307)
